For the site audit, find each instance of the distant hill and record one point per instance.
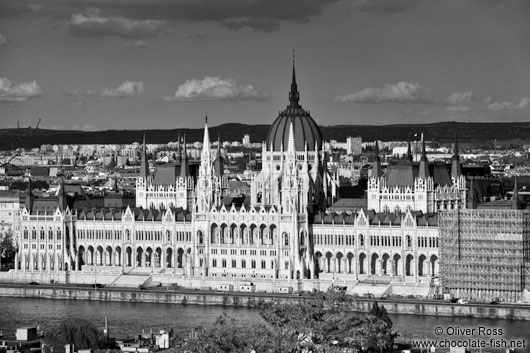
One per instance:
(475, 133)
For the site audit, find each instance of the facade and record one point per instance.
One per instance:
(186, 228)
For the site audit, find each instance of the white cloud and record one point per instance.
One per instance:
(216, 88)
(138, 44)
(92, 24)
(457, 109)
(18, 93)
(401, 92)
(460, 97)
(524, 103)
(128, 88)
(3, 39)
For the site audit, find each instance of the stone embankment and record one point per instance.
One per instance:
(200, 297)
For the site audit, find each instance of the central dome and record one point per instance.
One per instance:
(305, 128)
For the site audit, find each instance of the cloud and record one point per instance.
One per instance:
(197, 36)
(35, 7)
(385, 6)
(401, 92)
(457, 109)
(460, 97)
(92, 24)
(128, 88)
(257, 15)
(18, 93)
(216, 88)
(3, 39)
(251, 24)
(138, 44)
(524, 103)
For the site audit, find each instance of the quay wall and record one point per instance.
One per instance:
(197, 297)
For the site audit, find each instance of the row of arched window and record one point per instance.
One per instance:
(42, 234)
(99, 234)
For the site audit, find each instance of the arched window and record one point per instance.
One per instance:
(50, 234)
(58, 234)
(42, 234)
(285, 239)
(200, 236)
(26, 233)
(33, 234)
(409, 241)
(168, 235)
(361, 240)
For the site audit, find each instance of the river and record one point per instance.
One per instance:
(126, 318)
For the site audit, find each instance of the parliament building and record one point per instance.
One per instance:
(283, 237)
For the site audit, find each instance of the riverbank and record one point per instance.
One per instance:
(239, 299)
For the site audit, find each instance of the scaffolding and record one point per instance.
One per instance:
(485, 253)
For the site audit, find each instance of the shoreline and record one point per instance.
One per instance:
(243, 299)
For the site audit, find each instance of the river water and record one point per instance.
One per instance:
(127, 319)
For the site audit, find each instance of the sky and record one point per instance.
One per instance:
(165, 64)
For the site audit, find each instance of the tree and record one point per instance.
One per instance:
(7, 250)
(82, 334)
(225, 335)
(326, 324)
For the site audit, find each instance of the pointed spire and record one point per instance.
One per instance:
(206, 139)
(409, 150)
(424, 166)
(62, 196)
(184, 164)
(294, 96)
(291, 147)
(179, 149)
(515, 197)
(456, 168)
(218, 163)
(144, 165)
(29, 197)
(376, 167)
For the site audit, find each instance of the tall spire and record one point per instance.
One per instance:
(291, 147)
(62, 196)
(29, 197)
(218, 163)
(424, 167)
(184, 164)
(144, 166)
(376, 167)
(409, 150)
(294, 96)
(206, 141)
(456, 168)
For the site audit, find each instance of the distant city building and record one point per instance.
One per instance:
(246, 140)
(354, 145)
